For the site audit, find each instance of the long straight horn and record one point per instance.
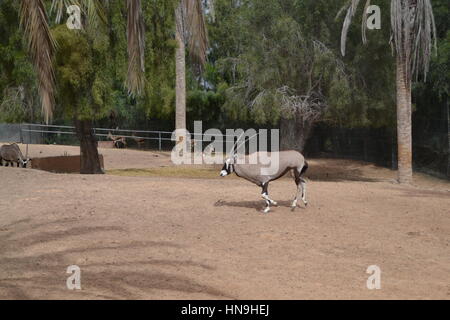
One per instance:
(256, 134)
(233, 150)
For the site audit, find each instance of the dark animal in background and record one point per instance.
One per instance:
(139, 140)
(119, 142)
(11, 154)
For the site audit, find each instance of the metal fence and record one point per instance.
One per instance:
(13, 133)
(430, 148)
(431, 152)
(60, 134)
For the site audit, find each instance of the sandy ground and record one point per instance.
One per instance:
(206, 238)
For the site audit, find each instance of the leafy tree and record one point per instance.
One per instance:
(41, 48)
(278, 69)
(84, 86)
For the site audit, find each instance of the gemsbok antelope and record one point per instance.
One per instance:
(11, 154)
(287, 161)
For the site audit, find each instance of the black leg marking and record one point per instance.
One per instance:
(297, 180)
(264, 191)
(265, 196)
(303, 184)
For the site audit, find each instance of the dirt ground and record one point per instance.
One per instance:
(178, 237)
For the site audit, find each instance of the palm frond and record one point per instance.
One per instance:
(41, 47)
(211, 10)
(95, 13)
(424, 31)
(193, 27)
(351, 9)
(92, 9)
(341, 11)
(414, 34)
(136, 48)
(364, 22)
(397, 26)
(59, 7)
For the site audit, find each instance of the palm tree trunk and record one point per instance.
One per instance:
(404, 123)
(180, 56)
(90, 161)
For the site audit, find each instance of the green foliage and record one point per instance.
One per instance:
(257, 46)
(275, 52)
(84, 81)
(439, 77)
(430, 123)
(101, 76)
(159, 98)
(205, 106)
(19, 101)
(260, 46)
(159, 94)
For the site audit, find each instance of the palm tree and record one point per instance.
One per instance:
(413, 31)
(191, 31)
(41, 47)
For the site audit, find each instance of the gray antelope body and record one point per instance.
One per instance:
(11, 154)
(287, 160)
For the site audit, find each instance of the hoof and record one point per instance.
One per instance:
(275, 203)
(294, 205)
(266, 210)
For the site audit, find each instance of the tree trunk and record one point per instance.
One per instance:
(180, 56)
(89, 159)
(404, 132)
(294, 133)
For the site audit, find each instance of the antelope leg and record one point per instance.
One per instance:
(297, 183)
(294, 204)
(265, 196)
(267, 208)
(303, 184)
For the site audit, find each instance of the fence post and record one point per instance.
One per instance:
(159, 140)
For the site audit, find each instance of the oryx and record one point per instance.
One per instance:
(287, 161)
(11, 154)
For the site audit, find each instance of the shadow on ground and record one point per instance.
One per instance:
(257, 205)
(31, 276)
